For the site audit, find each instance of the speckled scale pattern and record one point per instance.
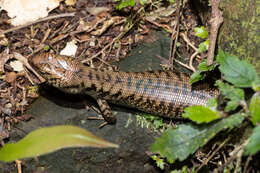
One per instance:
(163, 93)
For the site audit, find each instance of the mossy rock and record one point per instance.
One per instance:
(240, 32)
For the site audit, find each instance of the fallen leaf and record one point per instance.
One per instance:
(97, 10)
(70, 2)
(4, 58)
(106, 25)
(3, 40)
(10, 77)
(24, 11)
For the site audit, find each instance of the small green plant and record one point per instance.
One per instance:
(202, 68)
(152, 122)
(202, 33)
(130, 3)
(159, 161)
(124, 3)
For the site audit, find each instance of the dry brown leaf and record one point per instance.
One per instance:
(3, 40)
(70, 2)
(4, 57)
(10, 77)
(97, 10)
(24, 11)
(106, 25)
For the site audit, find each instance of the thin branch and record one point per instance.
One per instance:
(173, 47)
(215, 22)
(212, 154)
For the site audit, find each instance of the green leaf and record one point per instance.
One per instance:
(49, 139)
(201, 32)
(254, 142)
(199, 75)
(159, 162)
(200, 114)
(204, 46)
(186, 139)
(47, 47)
(240, 73)
(196, 76)
(235, 95)
(254, 109)
(203, 66)
(212, 104)
(172, 1)
(143, 2)
(125, 3)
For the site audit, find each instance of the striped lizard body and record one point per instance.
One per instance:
(163, 93)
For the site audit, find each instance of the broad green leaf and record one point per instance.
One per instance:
(186, 139)
(200, 114)
(254, 109)
(204, 46)
(49, 139)
(235, 95)
(254, 142)
(240, 73)
(201, 32)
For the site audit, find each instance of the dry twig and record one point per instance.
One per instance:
(177, 26)
(212, 154)
(215, 22)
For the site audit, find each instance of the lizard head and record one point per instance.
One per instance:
(59, 71)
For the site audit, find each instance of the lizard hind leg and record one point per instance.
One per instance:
(106, 111)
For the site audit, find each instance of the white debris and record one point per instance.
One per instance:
(70, 49)
(17, 65)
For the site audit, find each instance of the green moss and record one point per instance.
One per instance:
(240, 34)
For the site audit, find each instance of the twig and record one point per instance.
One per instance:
(210, 157)
(19, 166)
(111, 43)
(25, 63)
(185, 38)
(215, 22)
(37, 21)
(104, 48)
(237, 152)
(173, 48)
(188, 67)
(249, 158)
